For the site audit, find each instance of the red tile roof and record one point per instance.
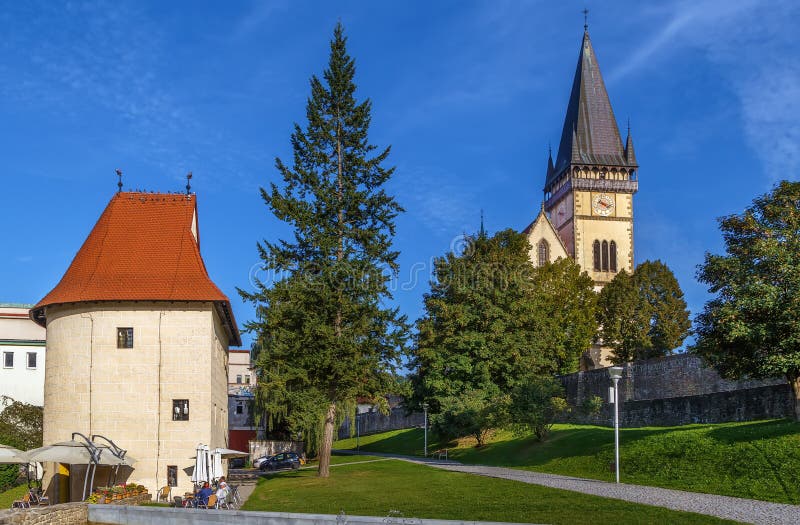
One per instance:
(142, 249)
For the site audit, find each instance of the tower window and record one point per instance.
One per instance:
(31, 360)
(605, 256)
(612, 248)
(8, 359)
(124, 337)
(596, 255)
(180, 410)
(544, 252)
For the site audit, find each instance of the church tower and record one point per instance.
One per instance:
(588, 191)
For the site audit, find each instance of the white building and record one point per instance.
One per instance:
(241, 389)
(22, 344)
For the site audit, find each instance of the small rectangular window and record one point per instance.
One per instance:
(239, 407)
(239, 379)
(124, 337)
(31, 359)
(247, 379)
(8, 359)
(180, 410)
(172, 475)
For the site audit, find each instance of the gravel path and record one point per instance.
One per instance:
(737, 509)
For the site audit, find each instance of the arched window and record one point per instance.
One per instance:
(596, 254)
(544, 252)
(605, 256)
(612, 247)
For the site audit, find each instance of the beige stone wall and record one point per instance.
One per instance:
(617, 226)
(93, 387)
(543, 230)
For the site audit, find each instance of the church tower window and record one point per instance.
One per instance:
(605, 256)
(596, 253)
(544, 252)
(613, 255)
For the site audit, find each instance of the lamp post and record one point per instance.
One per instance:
(616, 373)
(425, 414)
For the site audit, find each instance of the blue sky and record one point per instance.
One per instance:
(467, 93)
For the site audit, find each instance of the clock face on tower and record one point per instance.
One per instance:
(603, 204)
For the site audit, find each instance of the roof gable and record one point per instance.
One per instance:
(144, 247)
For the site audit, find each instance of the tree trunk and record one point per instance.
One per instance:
(794, 382)
(327, 442)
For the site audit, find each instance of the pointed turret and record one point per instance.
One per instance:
(590, 134)
(630, 155)
(550, 166)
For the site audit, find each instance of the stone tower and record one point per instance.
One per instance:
(588, 191)
(137, 345)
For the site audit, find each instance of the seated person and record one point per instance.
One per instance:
(222, 489)
(201, 498)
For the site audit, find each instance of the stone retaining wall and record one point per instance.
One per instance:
(374, 422)
(106, 515)
(677, 390)
(66, 514)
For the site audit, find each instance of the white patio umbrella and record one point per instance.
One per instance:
(226, 453)
(10, 455)
(70, 452)
(216, 465)
(200, 465)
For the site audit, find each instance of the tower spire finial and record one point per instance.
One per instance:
(119, 183)
(585, 19)
(483, 231)
(188, 183)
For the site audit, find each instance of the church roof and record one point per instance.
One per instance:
(590, 134)
(545, 220)
(144, 247)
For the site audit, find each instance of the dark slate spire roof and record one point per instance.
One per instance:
(630, 155)
(590, 134)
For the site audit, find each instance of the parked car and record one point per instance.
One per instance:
(284, 460)
(258, 461)
(236, 463)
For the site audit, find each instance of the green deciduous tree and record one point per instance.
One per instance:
(535, 405)
(752, 325)
(643, 315)
(20, 427)
(324, 333)
(492, 320)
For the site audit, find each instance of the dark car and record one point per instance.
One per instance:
(284, 460)
(236, 463)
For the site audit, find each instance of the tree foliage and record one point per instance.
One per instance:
(643, 315)
(20, 427)
(535, 405)
(752, 325)
(324, 333)
(491, 321)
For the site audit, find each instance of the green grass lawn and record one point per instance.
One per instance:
(8, 497)
(759, 460)
(418, 491)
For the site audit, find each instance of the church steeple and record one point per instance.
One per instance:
(590, 134)
(630, 155)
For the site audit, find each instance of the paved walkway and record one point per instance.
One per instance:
(737, 509)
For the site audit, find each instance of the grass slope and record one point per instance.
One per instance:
(759, 460)
(375, 488)
(8, 497)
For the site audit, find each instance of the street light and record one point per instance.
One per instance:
(425, 413)
(616, 374)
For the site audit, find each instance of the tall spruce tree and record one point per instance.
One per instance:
(324, 332)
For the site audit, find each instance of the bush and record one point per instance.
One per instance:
(535, 405)
(475, 413)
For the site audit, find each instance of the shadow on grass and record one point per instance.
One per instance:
(746, 432)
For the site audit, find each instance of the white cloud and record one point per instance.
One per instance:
(754, 48)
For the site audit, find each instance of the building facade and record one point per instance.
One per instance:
(241, 391)
(587, 211)
(22, 345)
(139, 336)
